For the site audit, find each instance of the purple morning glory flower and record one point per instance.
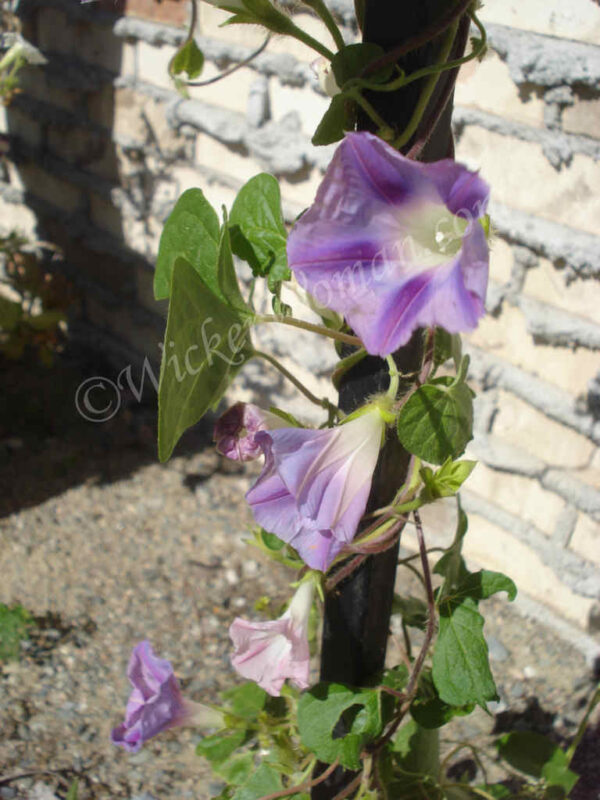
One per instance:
(394, 244)
(269, 652)
(315, 484)
(156, 703)
(235, 430)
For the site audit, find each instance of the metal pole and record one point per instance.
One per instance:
(357, 611)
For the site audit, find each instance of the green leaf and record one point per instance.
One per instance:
(413, 610)
(416, 750)
(235, 770)
(538, 756)
(485, 583)
(15, 622)
(191, 232)
(206, 343)
(446, 346)
(429, 710)
(436, 422)
(452, 565)
(73, 792)
(11, 312)
(336, 721)
(461, 670)
(246, 700)
(46, 320)
(189, 59)
(396, 678)
(258, 233)
(446, 481)
(496, 790)
(338, 118)
(265, 780)
(350, 61)
(556, 772)
(221, 745)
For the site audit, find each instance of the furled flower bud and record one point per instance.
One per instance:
(269, 652)
(235, 430)
(156, 703)
(315, 484)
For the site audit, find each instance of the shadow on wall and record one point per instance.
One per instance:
(63, 164)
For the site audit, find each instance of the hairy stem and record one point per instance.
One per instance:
(327, 17)
(309, 326)
(323, 403)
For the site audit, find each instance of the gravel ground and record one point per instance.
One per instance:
(106, 547)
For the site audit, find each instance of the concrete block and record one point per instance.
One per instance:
(521, 425)
(231, 93)
(578, 19)
(53, 190)
(494, 548)
(583, 117)
(548, 284)
(507, 337)
(173, 12)
(25, 127)
(567, 196)
(586, 538)
(309, 105)
(501, 261)
(78, 146)
(523, 497)
(489, 87)
(144, 278)
(99, 44)
(17, 217)
(229, 160)
(128, 121)
(153, 64)
(55, 32)
(301, 192)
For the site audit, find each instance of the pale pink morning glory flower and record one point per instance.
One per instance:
(273, 651)
(394, 244)
(235, 430)
(315, 484)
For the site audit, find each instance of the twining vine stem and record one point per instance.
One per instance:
(323, 403)
(309, 326)
(303, 786)
(226, 73)
(439, 26)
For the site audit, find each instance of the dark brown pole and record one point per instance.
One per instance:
(357, 611)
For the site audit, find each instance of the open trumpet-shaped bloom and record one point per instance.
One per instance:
(394, 244)
(269, 652)
(315, 484)
(156, 703)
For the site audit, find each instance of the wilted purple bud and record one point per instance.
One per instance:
(269, 652)
(235, 431)
(394, 244)
(315, 484)
(156, 703)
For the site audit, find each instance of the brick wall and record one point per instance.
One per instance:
(101, 146)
